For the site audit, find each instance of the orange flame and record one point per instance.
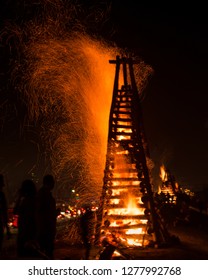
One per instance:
(163, 174)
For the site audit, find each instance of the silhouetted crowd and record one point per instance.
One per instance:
(37, 215)
(37, 220)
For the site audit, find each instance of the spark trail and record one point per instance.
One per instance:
(67, 83)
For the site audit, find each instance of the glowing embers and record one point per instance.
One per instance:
(124, 116)
(124, 99)
(129, 236)
(124, 130)
(126, 175)
(125, 193)
(135, 242)
(123, 137)
(124, 123)
(122, 109)
(125, 184)
(127, 223)
(122, 133)
(124, 104)
(124, 212)
(125, 152)
(131, 209)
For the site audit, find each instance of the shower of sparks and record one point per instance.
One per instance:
(67, 83)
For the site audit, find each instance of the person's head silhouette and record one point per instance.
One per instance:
(48, 182)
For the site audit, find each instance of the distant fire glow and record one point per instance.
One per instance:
(169, 186)
(163, 173)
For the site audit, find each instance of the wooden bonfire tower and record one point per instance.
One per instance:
(127, 209)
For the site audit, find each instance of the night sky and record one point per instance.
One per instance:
(174, 41)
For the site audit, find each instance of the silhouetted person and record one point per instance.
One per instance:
(3, 213)
(87, 222)
(46, 216)
(25, 208)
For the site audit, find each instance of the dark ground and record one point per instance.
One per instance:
(193, 245)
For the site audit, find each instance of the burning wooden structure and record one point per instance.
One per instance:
(169, 186)
(127, 209)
